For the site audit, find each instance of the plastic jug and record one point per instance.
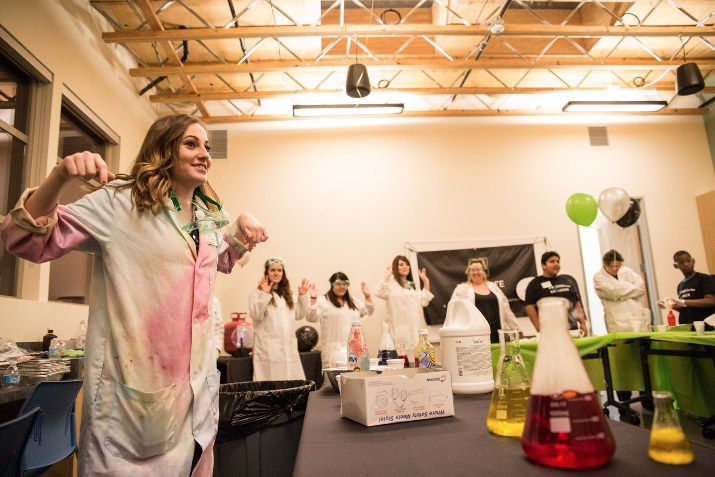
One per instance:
(238, 335)
(466, 346)
(565, 426)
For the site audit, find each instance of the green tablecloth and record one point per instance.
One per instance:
(691, 380)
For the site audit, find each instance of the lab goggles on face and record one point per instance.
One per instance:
(202, 218)
(340, 284)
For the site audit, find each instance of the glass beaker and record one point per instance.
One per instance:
(510, 399)
(668, 444)
(565, 426)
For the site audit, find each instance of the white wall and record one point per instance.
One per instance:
(346, 196)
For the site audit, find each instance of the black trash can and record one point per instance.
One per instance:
(259, 427)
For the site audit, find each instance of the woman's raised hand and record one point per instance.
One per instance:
(84, 165)
(265, 284)
(388, 273)
(423, 275)
(250, 231)
(365, 290)
(313, 290)
(303, 287)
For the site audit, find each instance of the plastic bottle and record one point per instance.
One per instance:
(11, 376)
(565, 426)
(81, 335)
(424, 351)
(510, 399)
(668, 444)
(358, 355)
(56, 348)
(466, 346)
(671, 317)
(47, 339)
(387, 348)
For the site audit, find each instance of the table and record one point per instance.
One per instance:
(238, 370)
(677, 361)
(461, 445)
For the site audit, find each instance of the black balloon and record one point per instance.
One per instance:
(630, 217)
(307, 338)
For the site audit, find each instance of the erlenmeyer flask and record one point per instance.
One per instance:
(510, 399)
(668, 444)
(565, 426)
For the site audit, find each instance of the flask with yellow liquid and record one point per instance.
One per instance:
(668, 444)
(510, 399)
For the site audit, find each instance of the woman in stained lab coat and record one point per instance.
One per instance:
(273, 310)
(620, 290)
(404, 302)
(336, 311)
(488, 298)
(150, 384)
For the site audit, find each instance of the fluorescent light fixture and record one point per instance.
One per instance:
(312, 110)
(614, 106)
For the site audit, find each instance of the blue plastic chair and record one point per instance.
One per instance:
(13, 435)
(54, 435)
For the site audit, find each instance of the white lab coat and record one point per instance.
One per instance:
(150, 384)
(275, 347)
(404, 310)
(335, 326)
(621, 299)
(507, 319)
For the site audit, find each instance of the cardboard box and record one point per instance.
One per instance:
(396, 395)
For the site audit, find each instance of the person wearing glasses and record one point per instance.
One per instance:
(335, 311)
(150, 383)
(274, 311)
(488, 298)
(404, 302)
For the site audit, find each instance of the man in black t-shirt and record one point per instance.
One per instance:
(550, 283)
(696, 292)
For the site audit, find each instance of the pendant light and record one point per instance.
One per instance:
(689, 80)
(357, 84)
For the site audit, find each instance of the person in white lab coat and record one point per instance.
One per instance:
(335, 311)
(273, 310)
(150, 383)
(621, 291)
(488, 298)
(404, 302)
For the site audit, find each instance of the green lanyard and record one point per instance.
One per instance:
(177, 206)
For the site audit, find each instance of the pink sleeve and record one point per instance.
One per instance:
(66, 235)
(227, 259)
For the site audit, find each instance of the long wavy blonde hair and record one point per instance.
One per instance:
(149, 177)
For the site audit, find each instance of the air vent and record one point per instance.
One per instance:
(598, 136)
(218, 138)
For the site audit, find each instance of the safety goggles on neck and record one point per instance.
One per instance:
(202, 218)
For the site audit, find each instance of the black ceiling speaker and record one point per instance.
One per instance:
(357, 84)
(689, 79)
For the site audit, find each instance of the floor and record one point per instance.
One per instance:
(689, 424)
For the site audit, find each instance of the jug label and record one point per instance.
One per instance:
(474, 360)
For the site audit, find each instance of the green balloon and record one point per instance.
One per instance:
(582, 209)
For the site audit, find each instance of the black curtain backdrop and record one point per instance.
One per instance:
(445, 269)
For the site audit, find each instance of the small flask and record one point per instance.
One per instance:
(668, 444)
(565, 426)
(11, 376)
(47, 340)
(510, 399)
(424, 352)
(358, 357)
(387, 348)
(81, 335)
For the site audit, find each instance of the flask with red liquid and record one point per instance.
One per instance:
(565, 426)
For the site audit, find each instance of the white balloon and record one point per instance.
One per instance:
(614, 203)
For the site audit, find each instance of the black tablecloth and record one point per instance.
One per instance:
(238, 370)
(453, 446)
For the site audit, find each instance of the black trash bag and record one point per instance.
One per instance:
(245, 408)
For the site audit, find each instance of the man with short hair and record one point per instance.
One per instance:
(550, 283)
(696, 292)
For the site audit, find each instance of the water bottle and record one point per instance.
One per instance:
(11, 376)
(81, 335)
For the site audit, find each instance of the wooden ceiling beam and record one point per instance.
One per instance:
(263, 66)
(251, 95)
(288, 31)
(453, 113)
